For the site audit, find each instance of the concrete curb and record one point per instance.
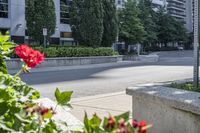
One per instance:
(67, 61)
(61, 68)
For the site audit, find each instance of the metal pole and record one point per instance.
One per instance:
(196, 44)
(45, 41)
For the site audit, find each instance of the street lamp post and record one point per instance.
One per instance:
(196, 44)
(45, 36)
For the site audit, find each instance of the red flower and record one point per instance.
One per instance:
(135, 123)
(31, 57)
(121, 123)
(141, 126)
(44, 111)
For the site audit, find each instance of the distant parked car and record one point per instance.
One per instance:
(180, 48)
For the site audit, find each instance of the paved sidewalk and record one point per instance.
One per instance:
(103, 105)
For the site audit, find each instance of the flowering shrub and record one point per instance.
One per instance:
(116, 124)
(20, 112)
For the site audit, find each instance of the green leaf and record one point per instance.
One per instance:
(86, 123)
(95, 121)
(4, 38)
(3, 67)
(64, 97)
(7, 46)
(35, 95)
(22, 119)
(124, 115)
(48, 115)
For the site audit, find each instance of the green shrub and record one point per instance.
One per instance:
(50, 52)
(74, 51)
(185, 86)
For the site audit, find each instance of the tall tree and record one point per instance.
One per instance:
(165, 26)
(146, 17)
(170, 29)
(75, 20)
(110, 23)
(87, 21)
(181, 35)
(131, 29)
(40, 14)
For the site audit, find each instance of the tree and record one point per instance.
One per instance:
(170, 29)
(40, 14)
(131, 29)
(165, 26)
(87, 22)
(181, 32)
(110, 23)
(75, 20)
(146, 17)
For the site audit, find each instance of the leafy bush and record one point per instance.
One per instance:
(114, 124)
(5, 49)
(185, 86)
(74, 51)
(19, 111)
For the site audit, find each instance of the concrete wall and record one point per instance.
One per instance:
(143, 58)
(17, 17)
(168, 109)
(66, 61)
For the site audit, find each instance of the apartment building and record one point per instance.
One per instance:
(158, 4)
(182, 10)
(12, 19)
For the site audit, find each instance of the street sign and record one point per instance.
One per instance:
(44, 31)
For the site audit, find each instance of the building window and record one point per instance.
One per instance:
(3, 8)
(65, 34)
(64, 11)
(119, 2)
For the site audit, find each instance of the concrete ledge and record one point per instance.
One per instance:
(169, 110)
(148, 58)
(66, 61)
(144, 58)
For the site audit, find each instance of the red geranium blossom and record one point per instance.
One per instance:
(31, 57)
(141, 126)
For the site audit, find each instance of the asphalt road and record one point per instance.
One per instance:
(109, 78)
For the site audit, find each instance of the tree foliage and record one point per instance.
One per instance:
(110, 23)
(87, 22)
(170, 29)
(131, 29)
(5, 49)
(40, 14)
(146, 17)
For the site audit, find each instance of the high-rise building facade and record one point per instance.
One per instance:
(177, 9)
(158, 4)
(12, 19)
(182, 10)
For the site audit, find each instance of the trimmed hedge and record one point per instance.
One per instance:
(75, 51)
